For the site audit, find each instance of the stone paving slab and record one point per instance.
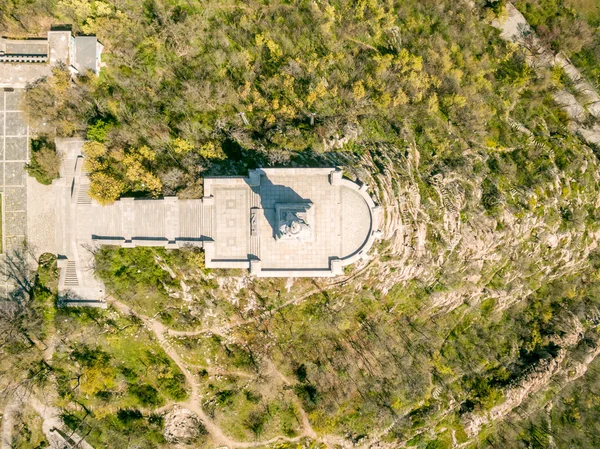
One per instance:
(15, 148)
(41, 217)
(14, 124)
(15, 223)
(15, 199)
(12, 100)
(14, 173)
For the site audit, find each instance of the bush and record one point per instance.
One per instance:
(128, 415)
(45, 161)
(98, 130)
(256, 420)
(146, 394)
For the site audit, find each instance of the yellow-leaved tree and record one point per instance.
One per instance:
(138, 175)
(105, 188)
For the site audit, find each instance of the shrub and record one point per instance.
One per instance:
(128, 415)
(98, 130)
(146, 394)
(45, 161)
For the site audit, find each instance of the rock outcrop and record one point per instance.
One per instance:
(182, 426)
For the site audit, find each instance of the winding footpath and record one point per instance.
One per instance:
(194, 401)
(52, 425)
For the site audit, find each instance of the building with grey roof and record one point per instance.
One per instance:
(23, 61)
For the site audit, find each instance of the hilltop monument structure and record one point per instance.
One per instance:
(275, 222)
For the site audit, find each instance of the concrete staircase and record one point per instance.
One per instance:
(254, 200)
(191, 219)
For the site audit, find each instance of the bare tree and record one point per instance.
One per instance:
(18, 317)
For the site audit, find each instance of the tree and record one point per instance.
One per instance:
(45, 162)
(105, 188)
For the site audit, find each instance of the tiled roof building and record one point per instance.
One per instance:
(23, 61)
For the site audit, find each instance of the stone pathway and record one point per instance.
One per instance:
(14, 153)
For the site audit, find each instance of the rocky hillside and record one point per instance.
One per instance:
(473, 323)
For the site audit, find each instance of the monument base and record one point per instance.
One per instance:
(295, 222)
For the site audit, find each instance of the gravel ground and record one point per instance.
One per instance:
(41, 217)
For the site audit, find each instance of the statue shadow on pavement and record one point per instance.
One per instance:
(282, 206)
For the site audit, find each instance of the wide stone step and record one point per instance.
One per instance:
(71, 279)
(191, 218)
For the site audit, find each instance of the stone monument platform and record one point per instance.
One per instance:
(276, 222)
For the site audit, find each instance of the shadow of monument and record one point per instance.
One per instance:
(271, 194)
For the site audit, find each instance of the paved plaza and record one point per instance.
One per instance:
(341, 221)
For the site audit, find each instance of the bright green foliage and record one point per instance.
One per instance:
(97, 131)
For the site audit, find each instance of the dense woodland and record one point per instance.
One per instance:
(217, 87)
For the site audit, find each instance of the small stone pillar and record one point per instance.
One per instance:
(335, 177)
(255, 267)
(336, 267)
(254, 178)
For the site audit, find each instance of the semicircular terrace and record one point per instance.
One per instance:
(359, 221)
(342, 217)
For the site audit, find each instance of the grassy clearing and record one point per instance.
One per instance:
(248, 410)
(117, 373)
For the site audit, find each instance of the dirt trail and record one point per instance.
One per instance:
(8, 419)
(194, 401)
(159, 330)
(305, 422)
(52, 425)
